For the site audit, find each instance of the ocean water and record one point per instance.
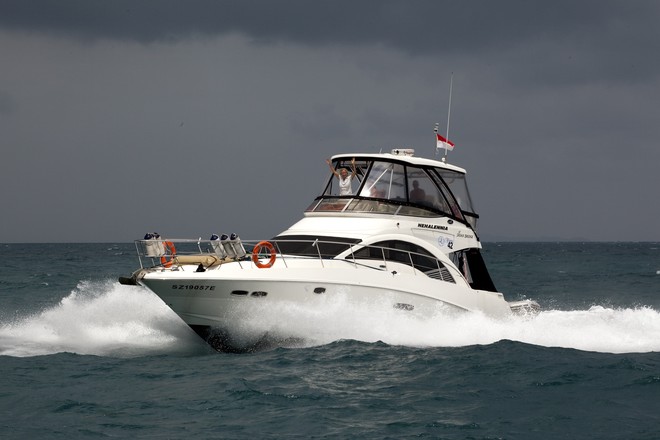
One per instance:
(82, 356)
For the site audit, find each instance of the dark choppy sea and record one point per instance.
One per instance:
(82, 356)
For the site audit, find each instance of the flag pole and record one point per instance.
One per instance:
(451, 84)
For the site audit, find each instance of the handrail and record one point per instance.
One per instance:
(209, 248)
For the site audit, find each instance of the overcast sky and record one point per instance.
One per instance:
(198, 117)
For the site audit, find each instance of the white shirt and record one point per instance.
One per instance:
(345, 186)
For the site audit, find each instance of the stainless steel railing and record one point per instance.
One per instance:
(210, 253)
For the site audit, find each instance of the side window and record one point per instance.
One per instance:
(385, 181)
(313, 245)
(401, 252)
(458, 186)
(454, 208)
(423, 191)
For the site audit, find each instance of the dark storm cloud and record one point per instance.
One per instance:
(553, 111)
(413, 26)
(608, 39)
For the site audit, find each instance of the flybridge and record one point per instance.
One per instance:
(396, 183)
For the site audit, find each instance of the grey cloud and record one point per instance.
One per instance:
(418, 26)
(323, 120)
(8, 104)
(625, 34)
(552, 102)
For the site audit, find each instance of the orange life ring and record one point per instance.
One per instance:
(169, 246)
(258, 248)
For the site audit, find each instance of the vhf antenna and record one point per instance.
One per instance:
(437, 124)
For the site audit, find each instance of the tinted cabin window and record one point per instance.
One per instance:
(401, 252)
(308, 246)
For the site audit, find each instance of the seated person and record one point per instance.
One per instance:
(417, 195)
(378, 193)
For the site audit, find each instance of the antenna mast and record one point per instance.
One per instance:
(451, 86)
(435, 129)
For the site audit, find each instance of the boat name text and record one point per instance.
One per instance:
(427, 226)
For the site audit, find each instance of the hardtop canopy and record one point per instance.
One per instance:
(400, 178)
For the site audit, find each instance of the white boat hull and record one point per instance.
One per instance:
(242, 306)
(402, 241)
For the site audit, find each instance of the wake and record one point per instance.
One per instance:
(598, 329)
(104, 318)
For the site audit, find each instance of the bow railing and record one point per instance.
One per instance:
(209, 254)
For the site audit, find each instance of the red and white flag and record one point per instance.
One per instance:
(444, 143)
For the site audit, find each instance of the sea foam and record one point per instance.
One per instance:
(98, 318)
(107, 319)
(599, 329)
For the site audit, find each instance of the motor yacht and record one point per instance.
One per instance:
(389, 230)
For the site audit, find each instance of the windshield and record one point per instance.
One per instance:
(386, 180)
(458, 186)
(346, 177)
(392, 187)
